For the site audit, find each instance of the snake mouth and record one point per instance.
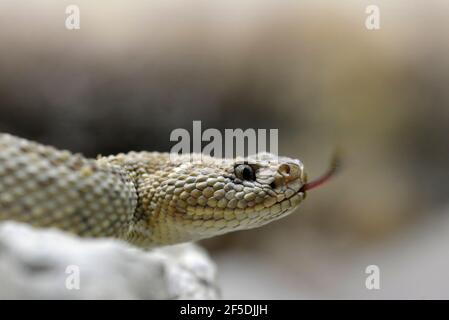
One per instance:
(287, 205)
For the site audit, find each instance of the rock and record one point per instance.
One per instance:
(50, 264)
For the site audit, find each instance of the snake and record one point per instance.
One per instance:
(148, 199)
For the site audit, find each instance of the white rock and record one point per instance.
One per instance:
(43, 264)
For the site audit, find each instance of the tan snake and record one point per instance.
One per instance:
(146, 198)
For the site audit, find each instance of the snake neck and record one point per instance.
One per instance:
(146, 171)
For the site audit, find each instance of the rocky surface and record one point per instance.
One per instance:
(49, 264)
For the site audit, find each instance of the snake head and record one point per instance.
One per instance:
(201, 196)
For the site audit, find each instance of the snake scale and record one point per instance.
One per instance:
(146, 198)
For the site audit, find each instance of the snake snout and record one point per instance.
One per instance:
(289, 174)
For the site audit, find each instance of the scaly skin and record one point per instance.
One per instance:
(146, 198)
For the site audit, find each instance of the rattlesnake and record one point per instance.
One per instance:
(146, 198)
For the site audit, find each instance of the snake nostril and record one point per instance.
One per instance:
(284, 169)
(290, 172)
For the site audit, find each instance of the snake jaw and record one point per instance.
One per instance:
(289, 192)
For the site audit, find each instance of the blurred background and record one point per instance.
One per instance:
(137, 70)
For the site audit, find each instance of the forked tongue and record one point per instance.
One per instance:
(333, 169)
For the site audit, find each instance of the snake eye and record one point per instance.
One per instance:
(245, 172)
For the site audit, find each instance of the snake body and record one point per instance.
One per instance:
(146, 198)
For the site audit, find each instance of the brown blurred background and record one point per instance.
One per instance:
(137, 70)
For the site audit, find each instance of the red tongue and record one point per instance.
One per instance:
(334, 166)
